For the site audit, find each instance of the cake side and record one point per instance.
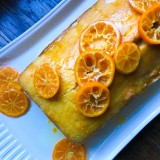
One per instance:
(62, 54)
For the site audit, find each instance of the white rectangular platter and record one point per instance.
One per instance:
(31, 136)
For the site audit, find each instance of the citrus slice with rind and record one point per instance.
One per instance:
(149, 25)
(142, 5)
(9, 78)
(94, 65)
(46, 81)
(127, 57)
(67, 150)
(92, 99)
(103, 35)
(13, 102)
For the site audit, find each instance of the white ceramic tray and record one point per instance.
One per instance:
(30, 136)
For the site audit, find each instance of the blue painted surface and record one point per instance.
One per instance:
(16, 16)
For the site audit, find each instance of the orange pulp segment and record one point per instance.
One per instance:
(103, 35)
(9, 78)
(13, 102)
(127, 57)
(67, 150)
(46, 81)
(92, 99)
(149, 25)
(94, 65)
(142, 5)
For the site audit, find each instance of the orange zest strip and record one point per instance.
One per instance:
(92, 99)
(94, 65)
(142, 5)
(127, 57)
(103, 35)
(13, 102)
(46, 81)
(67, 150)
(149, 25)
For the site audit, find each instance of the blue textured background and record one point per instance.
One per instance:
(16, 16)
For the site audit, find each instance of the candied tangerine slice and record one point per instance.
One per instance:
(94, 65)
(93, 99)
(9, 78)
(46, 81)
(103, 35)
(67, 150)
(127, 57)
(149, 25)
(142, 5)
(13, 102)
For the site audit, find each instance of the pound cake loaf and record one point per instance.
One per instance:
(62, 53)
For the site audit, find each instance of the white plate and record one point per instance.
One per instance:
(31, 136)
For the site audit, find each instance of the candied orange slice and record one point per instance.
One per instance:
(92, 99)
(9, 78)
(67, 150)
(13, 102)
(142, 5)
(127, 57)
(103, 35)
(149, 25)
(94, 65)
(46, 81)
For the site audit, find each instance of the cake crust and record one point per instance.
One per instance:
(62, 53)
